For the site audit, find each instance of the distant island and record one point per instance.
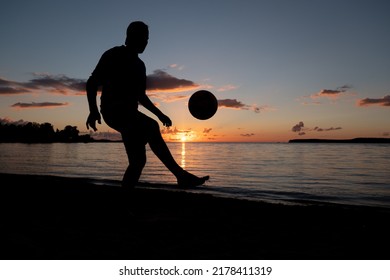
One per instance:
(31, 132)
(354, 140)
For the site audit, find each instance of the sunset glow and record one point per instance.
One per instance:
(278, 71)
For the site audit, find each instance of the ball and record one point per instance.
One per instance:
(203, 105)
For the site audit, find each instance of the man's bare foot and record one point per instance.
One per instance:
(188, 180)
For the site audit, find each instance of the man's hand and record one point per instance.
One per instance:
(91, 120)
(166, 121)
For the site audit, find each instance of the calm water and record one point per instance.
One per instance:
(338, 173)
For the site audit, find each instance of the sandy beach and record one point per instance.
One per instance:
(45, 217)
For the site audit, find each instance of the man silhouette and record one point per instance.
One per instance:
(122, 76)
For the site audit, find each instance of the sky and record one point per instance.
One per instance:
(280, 69)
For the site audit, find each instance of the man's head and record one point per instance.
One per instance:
(137, 36)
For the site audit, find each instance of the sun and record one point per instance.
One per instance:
(183, 138)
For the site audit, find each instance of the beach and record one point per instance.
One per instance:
(50, 217)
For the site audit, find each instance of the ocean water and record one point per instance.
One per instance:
(357, 174)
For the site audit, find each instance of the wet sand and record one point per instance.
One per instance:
(45, 218)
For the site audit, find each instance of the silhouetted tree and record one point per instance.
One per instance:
(69, 134)
(47, 131)
(33, 132)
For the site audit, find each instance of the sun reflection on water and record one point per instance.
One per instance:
(183, 155)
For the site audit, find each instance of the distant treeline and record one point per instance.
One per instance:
(40, 133)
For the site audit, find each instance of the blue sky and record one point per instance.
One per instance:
(272, 64)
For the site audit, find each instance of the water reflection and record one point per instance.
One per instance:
(183, 155)
(346, 173)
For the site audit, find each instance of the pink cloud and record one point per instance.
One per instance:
(20, 105)
(235, 104)
(385, 101)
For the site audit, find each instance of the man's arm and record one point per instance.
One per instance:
(94, 115)
(148, 104)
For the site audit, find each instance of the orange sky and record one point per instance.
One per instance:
(297, 70)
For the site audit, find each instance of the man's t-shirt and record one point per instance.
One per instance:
(122, 76)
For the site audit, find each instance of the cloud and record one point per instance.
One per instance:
(231, 103)
(247, 134)
(160, 85)
(175, 134)
(235, 104)
(301, 129)
(207, 130)
(53, 83)
(318, 129)
(169, 130)
(298, 127)
(161, 81)
(7, 121)
(11, 87)
(385, 101)
(331, 93)
(38, 105)
(58, 83)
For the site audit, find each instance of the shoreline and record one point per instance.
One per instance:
(211, 190)
(49, 217)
